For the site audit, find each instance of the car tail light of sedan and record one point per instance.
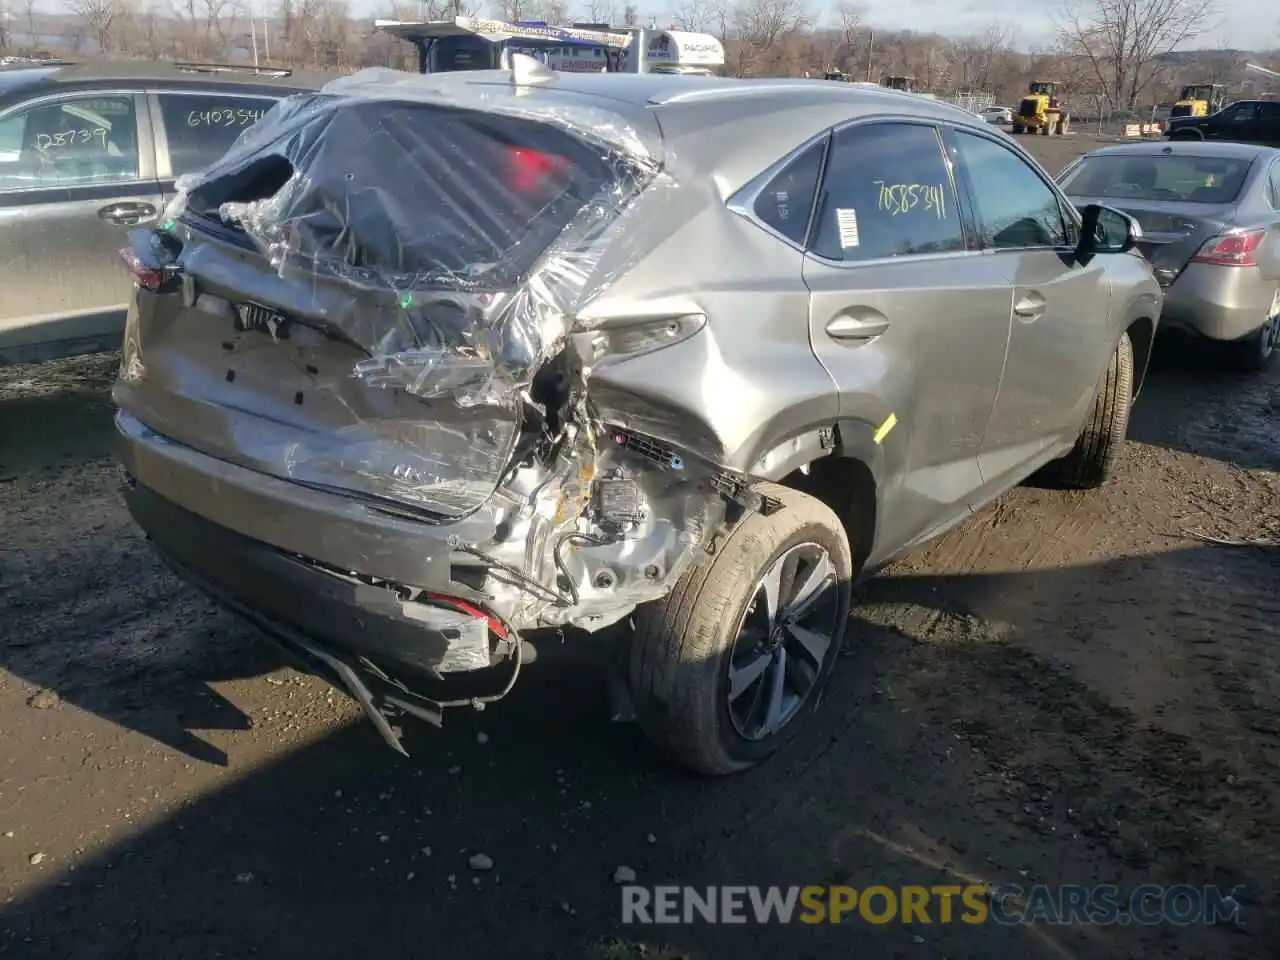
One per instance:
(1232, 249)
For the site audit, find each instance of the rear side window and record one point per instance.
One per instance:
(200, 128)
(886, 193)
(78, 141)
(1179, 177)
(1275, 185)
(441, 195)
(786, 202)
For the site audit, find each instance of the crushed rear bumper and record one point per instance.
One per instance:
(392, 652)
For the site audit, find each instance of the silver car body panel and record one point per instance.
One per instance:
(63, 291)
(699, 359)
(1221, 302)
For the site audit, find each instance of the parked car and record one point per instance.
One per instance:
(86, 152)
(997, 115)
(1210, 216)
(1244, 121)
(543, 356)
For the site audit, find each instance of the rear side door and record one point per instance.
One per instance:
(1061, 332)
(910, 322)
(1270, 123)
(194, 128)
(77, 171)
(1238, 123)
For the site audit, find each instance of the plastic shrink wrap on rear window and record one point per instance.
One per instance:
(452, 240)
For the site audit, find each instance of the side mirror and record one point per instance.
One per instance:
(1106, 230)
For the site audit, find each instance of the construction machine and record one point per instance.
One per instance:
(1198, 100)
(1042, 110)
(905, 84)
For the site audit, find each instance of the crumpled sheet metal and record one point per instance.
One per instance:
(348, 211)
(355, 236)
(398, 237)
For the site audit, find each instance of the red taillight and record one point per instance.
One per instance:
(495, 625)
(528, 170)
(1232, 249)
(147, 277)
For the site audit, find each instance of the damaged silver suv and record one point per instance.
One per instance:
(432, 375)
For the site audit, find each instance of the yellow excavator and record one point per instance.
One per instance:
(1042, 111)
(1198, 100)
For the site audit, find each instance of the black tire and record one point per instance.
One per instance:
(681, 652)
(1258, 352)
(1186, 135)
(1092, 460)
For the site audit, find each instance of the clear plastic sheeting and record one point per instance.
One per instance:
(409, 332)
(447, 239)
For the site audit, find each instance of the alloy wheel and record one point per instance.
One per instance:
(782, 642)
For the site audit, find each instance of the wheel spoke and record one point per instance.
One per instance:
(812, 587)
(808, 644)
(773, 715)
(742, 677)
(771, 587)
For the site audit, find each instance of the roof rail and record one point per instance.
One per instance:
(232, 68)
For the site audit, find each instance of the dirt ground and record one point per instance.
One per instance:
(1069, 688)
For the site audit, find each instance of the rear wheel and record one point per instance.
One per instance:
(1186, 135)
(728, 666)
(1258, 352)
(1092, 460)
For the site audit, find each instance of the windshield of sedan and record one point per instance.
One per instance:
(1181, 178)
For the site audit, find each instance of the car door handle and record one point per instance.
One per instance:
(846, 327)
(127, 214)
(1030, 306)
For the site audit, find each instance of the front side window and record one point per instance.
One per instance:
(201, 128)
(74, 142)
(887, 192)
(1240, 113)
(786, 202)
(1014, 205)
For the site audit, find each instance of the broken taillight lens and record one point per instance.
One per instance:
(145, 275)
(1232, 249)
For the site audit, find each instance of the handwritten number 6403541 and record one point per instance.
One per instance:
(228, 117)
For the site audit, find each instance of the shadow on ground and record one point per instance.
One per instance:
(948, 750)
(1196, 400)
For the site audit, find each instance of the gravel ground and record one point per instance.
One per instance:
(1069, 688)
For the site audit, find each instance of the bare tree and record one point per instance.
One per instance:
(1122, 40)
(29, 19)
(602, 11)
(694, 15)
(97, 17)
(979, 59)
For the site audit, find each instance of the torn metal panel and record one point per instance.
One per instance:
(382, 297)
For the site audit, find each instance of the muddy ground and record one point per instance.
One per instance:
(1070, 688)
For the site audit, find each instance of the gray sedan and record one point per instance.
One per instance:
(1210, 214)
(88, 151)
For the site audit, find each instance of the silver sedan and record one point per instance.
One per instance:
(1210, 215)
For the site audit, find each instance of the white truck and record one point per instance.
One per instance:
(477, 43)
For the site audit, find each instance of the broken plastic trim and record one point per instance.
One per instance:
(440, 271)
